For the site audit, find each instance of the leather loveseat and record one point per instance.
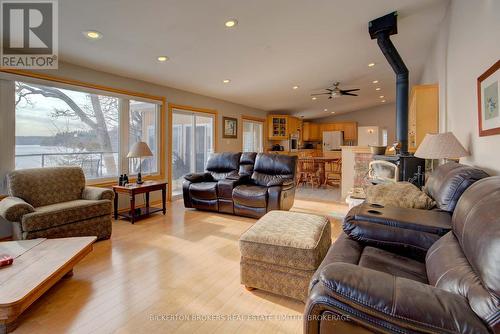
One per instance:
(418, 229)
(359, 288)
(245, 184)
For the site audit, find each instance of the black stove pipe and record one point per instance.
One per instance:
(381, 29)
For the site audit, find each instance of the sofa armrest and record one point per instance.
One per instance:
(411, 231)
(383, 302)
(280, 182)
(14, 208)
(198, 177)
(97, 193)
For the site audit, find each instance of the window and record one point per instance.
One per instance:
(253, 136)
(143, 118)
(190, 149)
(67, 126)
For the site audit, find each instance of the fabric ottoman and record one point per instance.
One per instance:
(282, 250)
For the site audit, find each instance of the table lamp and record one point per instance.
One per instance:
(139, 150)
(440, 146)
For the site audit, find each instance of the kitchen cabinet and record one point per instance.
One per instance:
(282, 126)
(350, 129)
(310, 132)
(423, 117)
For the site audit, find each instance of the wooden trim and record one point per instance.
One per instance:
(252, 118)
(81, 84)
(77, 83)
(489, 132)
(172, 106)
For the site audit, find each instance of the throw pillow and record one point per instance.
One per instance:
(400, 194)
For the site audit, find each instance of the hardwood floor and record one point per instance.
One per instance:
(185, 263)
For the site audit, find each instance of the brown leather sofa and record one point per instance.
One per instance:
(359, 288)
(245, 184)
(416, 229)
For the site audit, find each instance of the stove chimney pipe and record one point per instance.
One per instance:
(381, 29)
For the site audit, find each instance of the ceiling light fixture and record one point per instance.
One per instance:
(378, 88)
(325, 109)
(162, 58)
(231, 23)
(381, 96)
(375, 81)
(383, 101)
(295, 87)
(333, 112)
(314, 98)
(226, 81)
(371, 64)
(92, 34)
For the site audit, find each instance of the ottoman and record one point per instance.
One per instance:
(282, 250)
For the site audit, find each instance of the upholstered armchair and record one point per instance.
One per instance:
(55, 203)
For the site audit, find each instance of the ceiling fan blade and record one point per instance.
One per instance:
(349, 90)
(328, 89)
(320, 94)
(350, 94)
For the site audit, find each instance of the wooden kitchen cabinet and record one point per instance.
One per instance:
(350, 129)
(310, 132)
(280, 127)
(423, 115)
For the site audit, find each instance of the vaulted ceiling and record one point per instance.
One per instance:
(276, 45)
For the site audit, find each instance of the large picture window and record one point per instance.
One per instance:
(68, 127)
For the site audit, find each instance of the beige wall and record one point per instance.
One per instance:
(174, 96)
(383, 116)
(466, 46)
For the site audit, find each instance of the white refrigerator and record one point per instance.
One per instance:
(332, 140)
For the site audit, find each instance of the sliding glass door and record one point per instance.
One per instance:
(190, 148)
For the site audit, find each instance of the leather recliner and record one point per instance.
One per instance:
(270, 187)
(247, 184)
(200, 190)
(359, 288)
(417, 229)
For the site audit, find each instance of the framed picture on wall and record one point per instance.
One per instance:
(488, 91)
(230, 127)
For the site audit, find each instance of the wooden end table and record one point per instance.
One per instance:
(133, 189)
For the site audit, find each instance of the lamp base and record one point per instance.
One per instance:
(139, 179)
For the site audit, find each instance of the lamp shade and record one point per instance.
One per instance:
(441, 146)
(139, 149)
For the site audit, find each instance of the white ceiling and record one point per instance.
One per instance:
(276, 45)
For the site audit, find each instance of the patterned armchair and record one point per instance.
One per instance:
(55, 203)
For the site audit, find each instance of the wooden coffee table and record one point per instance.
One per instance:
(38, 265)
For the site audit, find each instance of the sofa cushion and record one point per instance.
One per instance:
(45, 186)
(249, 195)
(400, 194)
(221, 165)
(247, 161)
(271, 167)
(290, 239)
(63, 213)
(448, 182)
(203, 190)
(400, 266)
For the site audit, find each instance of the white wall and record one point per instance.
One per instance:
(383, 116)
(467, 44)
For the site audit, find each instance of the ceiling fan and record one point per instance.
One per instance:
(336, 92)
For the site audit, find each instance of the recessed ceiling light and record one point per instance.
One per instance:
(374, 81)
(92, 34)
(295, 87)
(381, 96)
(226, 81)
(325, 109)
(378, 88)
(371, 64)
(383, 101)
(231, 23)
(162, 58)
(333, 112)
(314, 98)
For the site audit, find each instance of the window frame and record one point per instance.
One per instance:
(124, 109)
(263, 121)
